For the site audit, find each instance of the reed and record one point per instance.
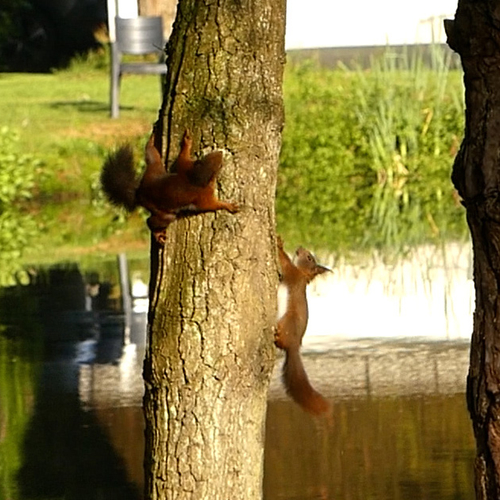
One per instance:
(365, 163)
(367, 155)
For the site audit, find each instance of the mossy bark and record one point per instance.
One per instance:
(213, 286)
(475, 35)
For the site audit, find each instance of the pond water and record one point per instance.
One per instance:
(71, 423)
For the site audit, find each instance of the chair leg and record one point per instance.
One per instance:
(115, 96)
(115, 83)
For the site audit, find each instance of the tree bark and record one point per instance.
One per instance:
(475, 35)
(213, 286)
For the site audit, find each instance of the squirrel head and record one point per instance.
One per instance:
(307, 263)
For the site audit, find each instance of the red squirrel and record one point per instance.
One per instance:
(292, 326)
(187, 189)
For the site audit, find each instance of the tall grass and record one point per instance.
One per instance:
(367, 155)
(365, 162)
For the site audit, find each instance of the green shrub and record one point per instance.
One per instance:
(18, 172)
(367, 156)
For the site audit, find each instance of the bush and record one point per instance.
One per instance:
(367, 155)
(17, 179)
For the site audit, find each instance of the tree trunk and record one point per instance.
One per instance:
(213, 286)
(475, 35)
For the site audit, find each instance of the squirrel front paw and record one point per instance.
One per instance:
(280, 338)
(233, 208)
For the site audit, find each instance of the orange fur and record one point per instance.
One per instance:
(292, 326)
(188, 189)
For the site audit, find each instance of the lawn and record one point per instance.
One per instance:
(53, 111)
(63, 120)
(365, 161)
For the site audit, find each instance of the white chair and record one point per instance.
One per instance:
(138, 36)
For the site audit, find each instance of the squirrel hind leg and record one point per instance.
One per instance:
(153, 157)
(186, 142)
(205, 170)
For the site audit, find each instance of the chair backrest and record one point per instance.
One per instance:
(139, 35)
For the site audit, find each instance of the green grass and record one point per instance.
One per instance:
(367, 157)
(64, 117)
(63, 120)
(365, 163)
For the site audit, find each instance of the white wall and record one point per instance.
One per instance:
(328, 23)
(429, 295)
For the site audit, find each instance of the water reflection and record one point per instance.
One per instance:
(68, 454)
(378, 448)
(400, 427)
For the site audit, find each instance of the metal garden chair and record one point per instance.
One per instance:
(139, 36)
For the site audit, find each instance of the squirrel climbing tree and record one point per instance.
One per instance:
(186, 188)
(292, 324)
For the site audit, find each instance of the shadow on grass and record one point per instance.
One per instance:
(84, 106)
(91, 106)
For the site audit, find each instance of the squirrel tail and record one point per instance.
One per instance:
(118, 178)
(298, 387)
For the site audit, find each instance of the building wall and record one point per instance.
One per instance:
(323, 23)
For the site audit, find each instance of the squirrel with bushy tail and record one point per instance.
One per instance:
(292, 324)
(188, 188)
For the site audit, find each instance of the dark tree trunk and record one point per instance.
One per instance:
(213, 285)
(475, 35)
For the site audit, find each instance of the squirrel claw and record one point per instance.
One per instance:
(160, 236)
(279, 242)
(280, 338)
